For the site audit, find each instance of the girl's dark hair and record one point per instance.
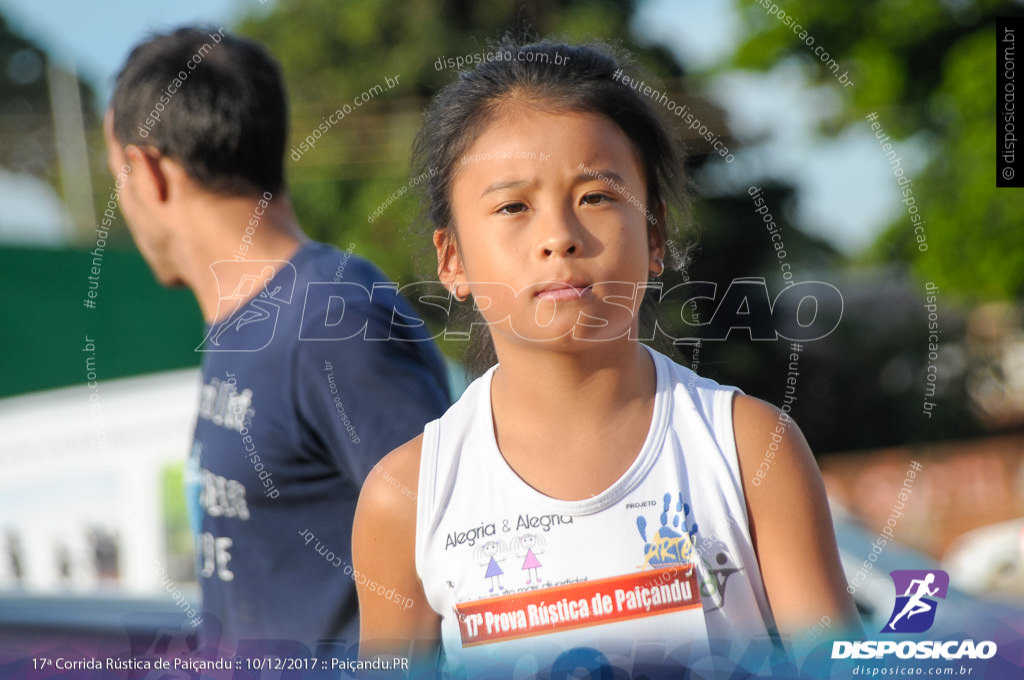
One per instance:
(589, 78)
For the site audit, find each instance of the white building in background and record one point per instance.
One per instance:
(81, 498)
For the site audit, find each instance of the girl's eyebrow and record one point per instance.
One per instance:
(508, 184)
(600, 175)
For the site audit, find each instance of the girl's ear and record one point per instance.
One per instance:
(656, 240)
(449, 263)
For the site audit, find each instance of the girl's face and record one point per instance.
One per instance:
(553, 239)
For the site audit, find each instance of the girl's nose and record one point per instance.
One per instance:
(560, 236)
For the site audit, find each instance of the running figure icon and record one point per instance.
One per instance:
(915, 605)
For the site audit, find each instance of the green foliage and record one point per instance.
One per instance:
(928, 68)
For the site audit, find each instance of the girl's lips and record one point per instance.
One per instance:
(564, 292)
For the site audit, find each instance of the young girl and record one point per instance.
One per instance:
(549, 202)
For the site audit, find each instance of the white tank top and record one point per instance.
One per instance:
(653, 572)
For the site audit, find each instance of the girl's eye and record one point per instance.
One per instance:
(595, 199)
(512, 209)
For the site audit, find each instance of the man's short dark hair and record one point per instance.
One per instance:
(225, 121)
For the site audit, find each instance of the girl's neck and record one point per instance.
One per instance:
(570, 423)
(599, 378)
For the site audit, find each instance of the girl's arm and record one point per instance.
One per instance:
(790, 523)
(394, 617)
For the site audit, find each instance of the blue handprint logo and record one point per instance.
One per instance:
(672, 542)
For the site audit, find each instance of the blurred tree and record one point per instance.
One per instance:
(928, 69)
(24, 99)
(28, 142)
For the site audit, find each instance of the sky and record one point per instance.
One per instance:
(847, 194)
(69, 28)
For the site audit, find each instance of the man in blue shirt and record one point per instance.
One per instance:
(314, 366)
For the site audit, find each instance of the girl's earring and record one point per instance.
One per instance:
(658, 268)
(455, 293)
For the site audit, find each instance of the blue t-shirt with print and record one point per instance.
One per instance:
(302, 394)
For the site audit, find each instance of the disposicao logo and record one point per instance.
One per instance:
(914, 611)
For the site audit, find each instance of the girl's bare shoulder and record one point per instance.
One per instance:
(769, 440)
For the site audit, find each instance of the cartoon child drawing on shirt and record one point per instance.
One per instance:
(491, 553)
(527, 546)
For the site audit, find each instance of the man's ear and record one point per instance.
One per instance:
(449, 263)
(150, 172)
